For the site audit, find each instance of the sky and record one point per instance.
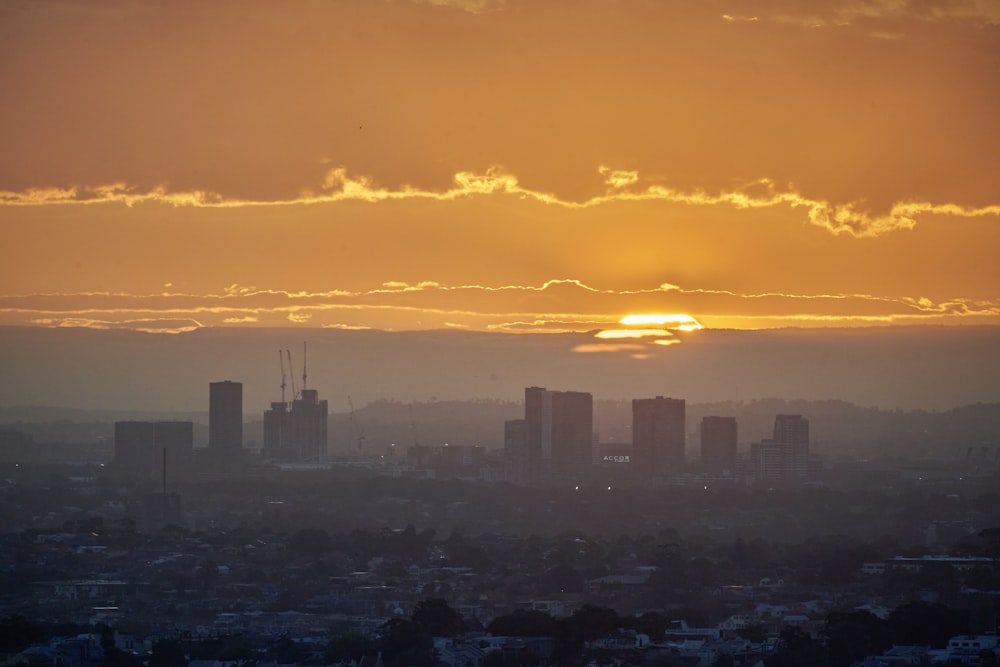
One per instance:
(499, 165)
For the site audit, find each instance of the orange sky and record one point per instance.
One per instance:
(499, 165)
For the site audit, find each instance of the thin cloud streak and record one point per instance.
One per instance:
(505, 308)
(849, 218)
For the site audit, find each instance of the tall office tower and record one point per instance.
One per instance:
(154, 450)
(718, 445)
(767, 461)
(309, 424)
(572, 432)
(278, 432)
(515, 451)
(559, 432)
(225, 417)
(791, 432)
(538, 432)
(658, 436)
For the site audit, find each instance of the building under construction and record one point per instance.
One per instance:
(296, 430)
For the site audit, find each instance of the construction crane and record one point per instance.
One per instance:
(304, 359)
(291, 371)
(356, 436)
(281, 363)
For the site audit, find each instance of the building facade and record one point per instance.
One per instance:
(225, 417)
(658, 436)
(718, 445)
(559, 433)
(278, 432)
(309, 426)
(785, 456)
(791, 432)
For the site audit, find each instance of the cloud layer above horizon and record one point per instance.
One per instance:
(499, 165)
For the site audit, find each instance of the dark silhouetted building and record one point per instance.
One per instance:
(515, 451)
(767, 461)
(309, 426)
(559, 433)
(786, 455)
(792, 433)
(225, 417)
(718, 445)
(143, 448)
(278, 432)
(658, 436)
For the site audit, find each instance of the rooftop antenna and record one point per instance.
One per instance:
(291, 370)
(281, 363)
(303, 365)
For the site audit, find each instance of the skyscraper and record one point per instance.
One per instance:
(559, 432)
(309, 426)
(572, 432)
(278, 432)
(718, 445)
(791, 432)
(658, 436)
(515, 450)
(225, 417)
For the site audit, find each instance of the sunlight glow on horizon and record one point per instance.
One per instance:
(678, 321)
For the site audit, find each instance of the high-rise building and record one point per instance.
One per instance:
(515, 451)
(278, 432)
(786, 455)
(572, 432)
(309, 426)
(658, 436)
(767, 461)
(792, 433)
(559, 432)
(718, 445)
(225, 417)
(155, 449)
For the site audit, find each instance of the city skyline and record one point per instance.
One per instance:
(500, 166)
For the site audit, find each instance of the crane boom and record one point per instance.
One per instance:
(291, 370)
(281, 363)
(304, 360)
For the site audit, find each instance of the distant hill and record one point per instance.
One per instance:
(932, 368)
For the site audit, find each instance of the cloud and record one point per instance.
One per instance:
(851, 218)
(471, 6)
(618, 315)
(843, 13)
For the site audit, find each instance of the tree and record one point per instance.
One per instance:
(922, 623)
(524, 623)
(310, 542)
(349, 647)
(17, 633)
(167, 652)
(797, 648)
(852, 635)
(652, 623)
(404, 643)
(437, 618)
(561, 579)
